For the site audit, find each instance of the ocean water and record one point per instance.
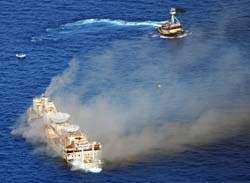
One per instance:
(207, 70)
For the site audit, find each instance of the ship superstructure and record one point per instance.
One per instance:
(64, 137)
(171, 28)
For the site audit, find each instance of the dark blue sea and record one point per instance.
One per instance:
(165, 110)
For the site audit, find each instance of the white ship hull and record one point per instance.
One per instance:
(65, 138)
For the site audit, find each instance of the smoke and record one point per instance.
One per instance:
(114, 95)
(34, 133)
(66, 78)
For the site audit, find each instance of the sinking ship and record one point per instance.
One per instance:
(171, 28)
(65, 138)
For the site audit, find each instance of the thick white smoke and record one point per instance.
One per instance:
(115, 96)
(34, 132)
(141, 95)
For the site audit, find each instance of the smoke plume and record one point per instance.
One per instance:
(34, 133)
(141, 95)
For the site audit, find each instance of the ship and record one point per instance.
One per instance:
(64, 137)
(171, 28)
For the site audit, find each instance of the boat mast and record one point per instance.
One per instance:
(172, 12)
(93, 154)
(82, 155)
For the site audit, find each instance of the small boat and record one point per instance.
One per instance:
(20, 55)
(171, 28)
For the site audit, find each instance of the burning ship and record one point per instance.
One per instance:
(64, 137)
(171, 28)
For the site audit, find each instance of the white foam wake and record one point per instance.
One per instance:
(77, 165)
(85, 26)
(112, 22)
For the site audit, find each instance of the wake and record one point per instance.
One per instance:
(77, 165)
(85, 26)
(112, 22)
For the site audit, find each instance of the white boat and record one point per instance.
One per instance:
(64, 137)
(20, 55)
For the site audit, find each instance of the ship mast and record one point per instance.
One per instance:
(82, 155)
(172, 12)
(93, 154)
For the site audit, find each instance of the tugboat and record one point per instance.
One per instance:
(171, 28)
(65, 138)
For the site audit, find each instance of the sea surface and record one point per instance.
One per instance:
(208, 69)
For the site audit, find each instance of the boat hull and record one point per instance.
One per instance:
(170, 33)
(20, 56)
(66, 140)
